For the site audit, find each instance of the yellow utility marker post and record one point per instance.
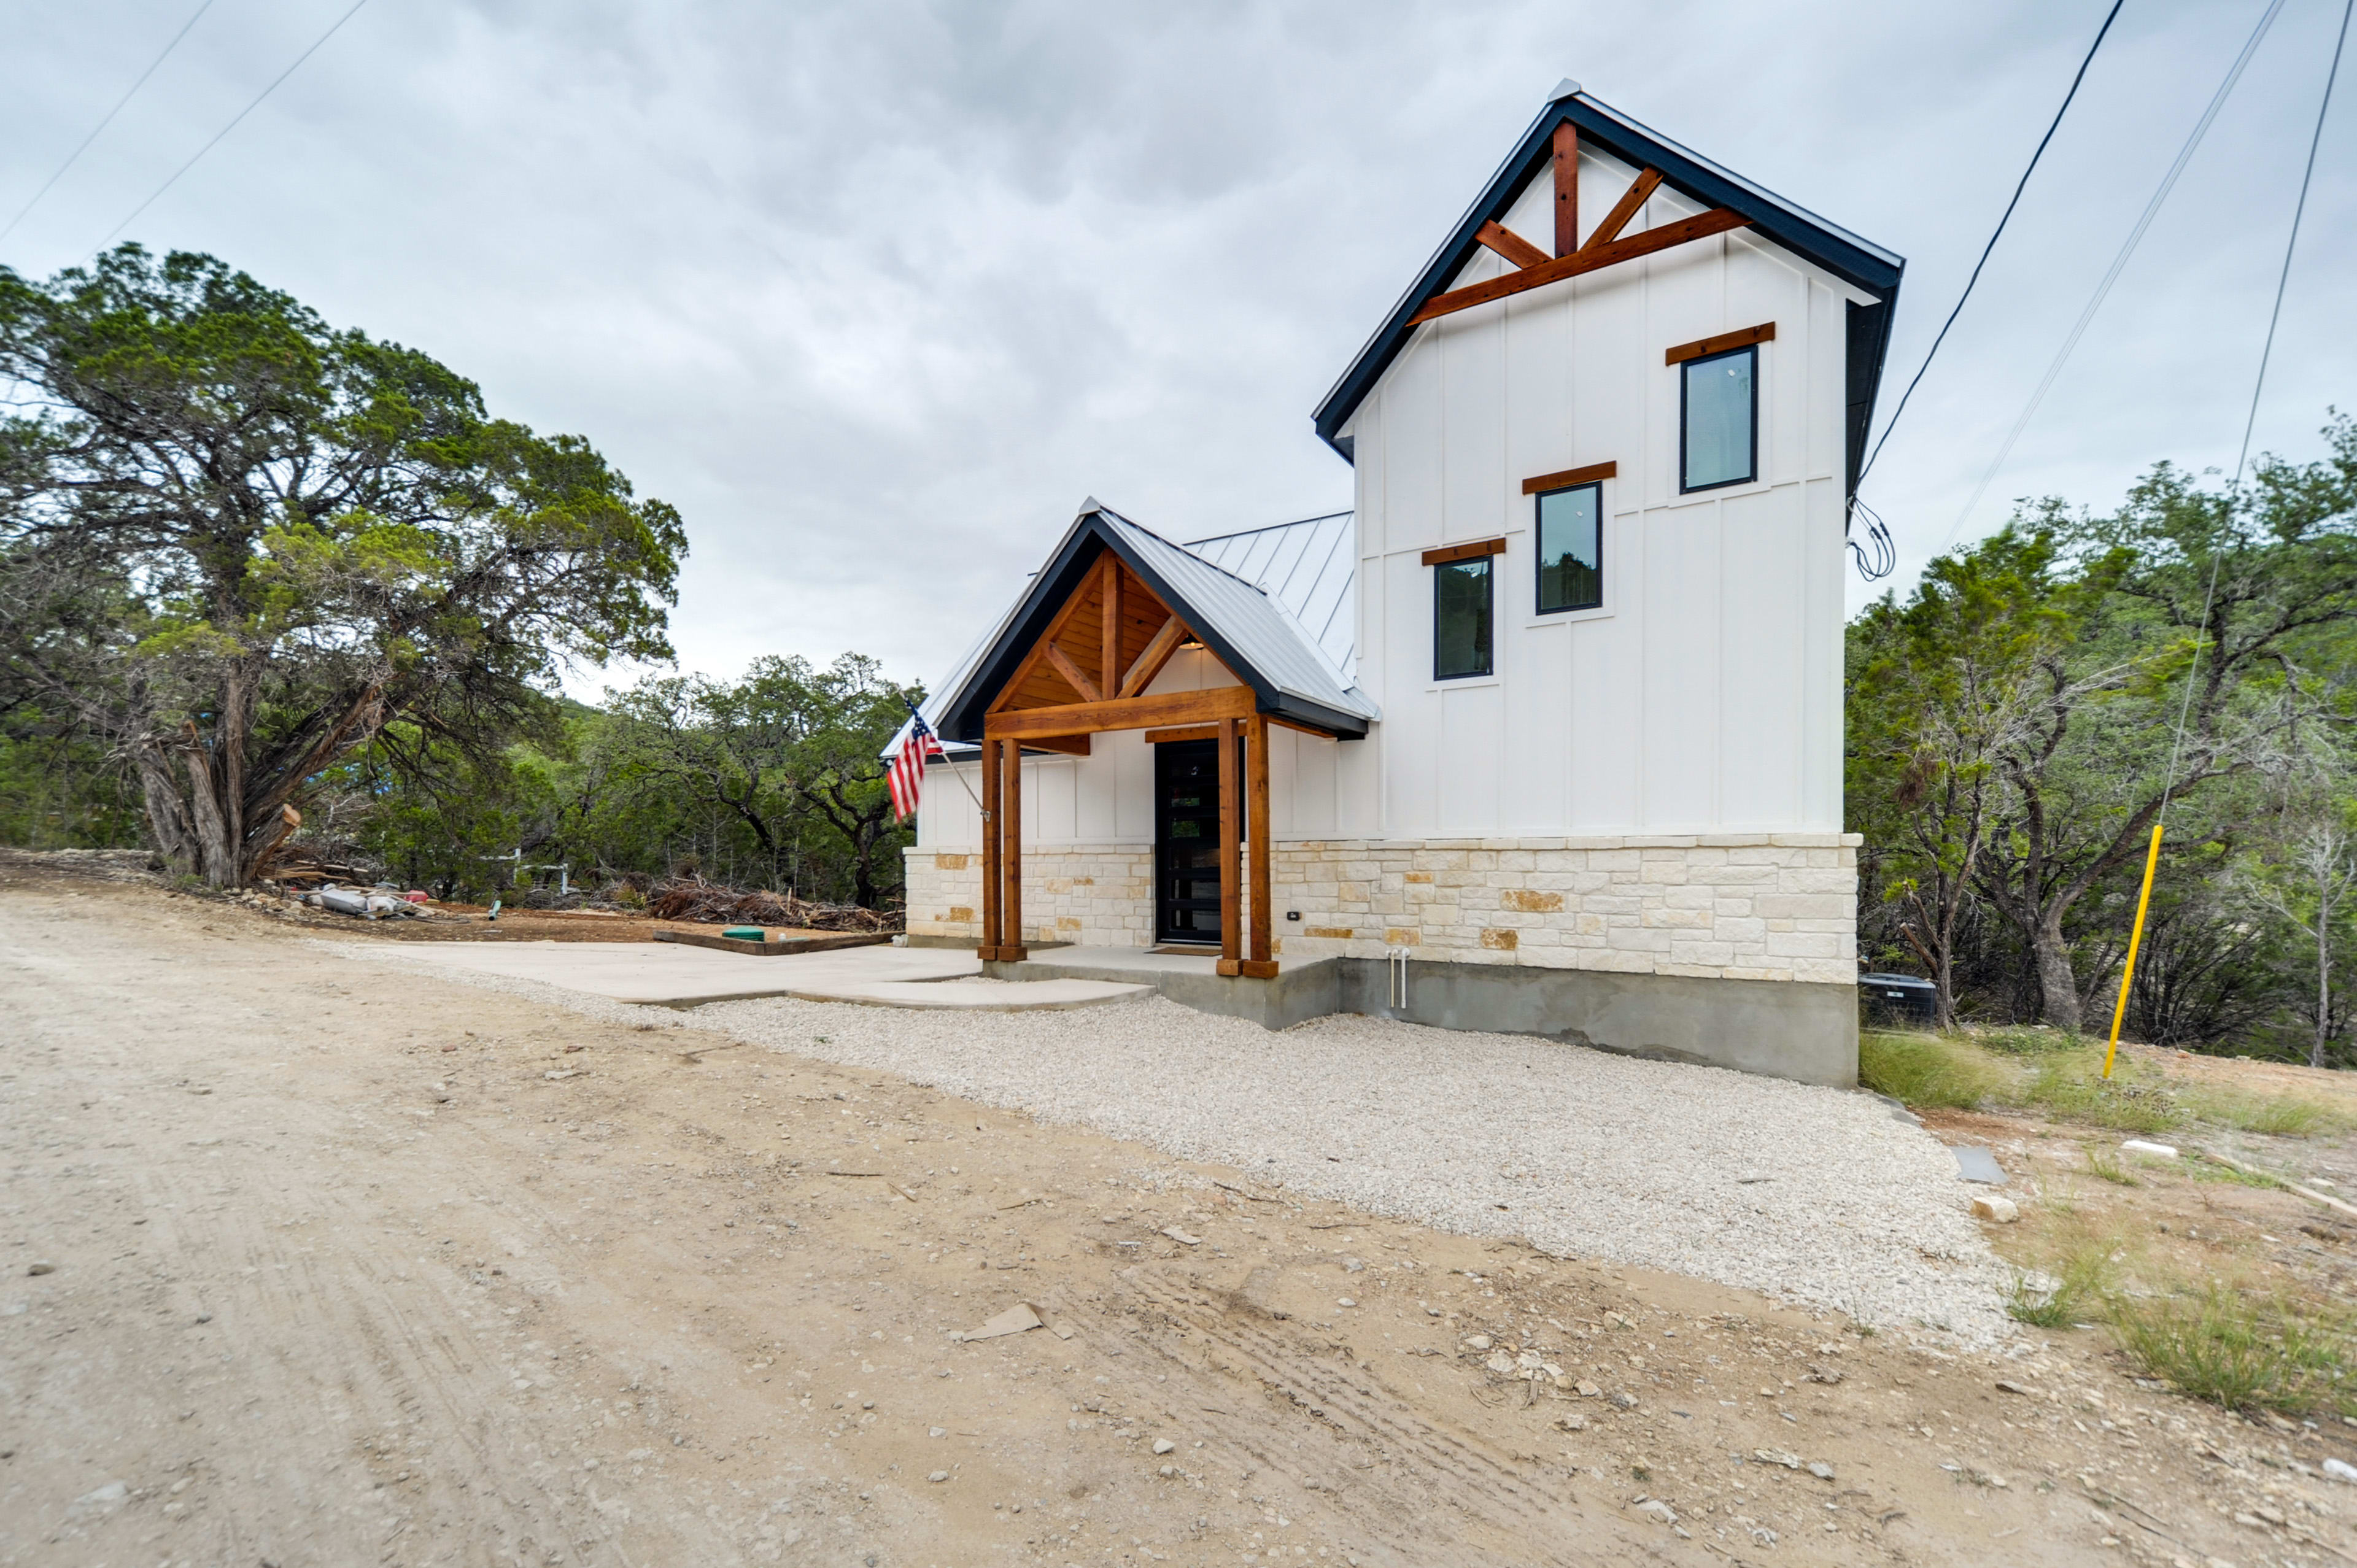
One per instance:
(2136, 936)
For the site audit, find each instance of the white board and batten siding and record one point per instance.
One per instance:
(1705, 694)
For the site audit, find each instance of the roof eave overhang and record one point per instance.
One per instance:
(1059, 580)
(1863, 265)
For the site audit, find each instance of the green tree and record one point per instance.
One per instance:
(2100, 753)
(237, 544)
(1938, 688)
(790, 754)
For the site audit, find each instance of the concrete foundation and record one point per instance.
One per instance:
(1793, 1029)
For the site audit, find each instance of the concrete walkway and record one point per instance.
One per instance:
(669, 974)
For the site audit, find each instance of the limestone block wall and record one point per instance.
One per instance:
(1720, 906)
(1097, 895)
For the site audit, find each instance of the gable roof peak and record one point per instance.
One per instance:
(1564, 89)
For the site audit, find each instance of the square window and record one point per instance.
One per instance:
(1460, 618)
(1718, 420)
(1571, 549)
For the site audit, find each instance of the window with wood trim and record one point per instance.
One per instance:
(1571, 548)
(1462, 618)
(1718, 419)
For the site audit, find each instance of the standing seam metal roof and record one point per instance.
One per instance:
(1253, 618)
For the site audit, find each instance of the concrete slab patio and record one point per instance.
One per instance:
(671, 975)
(674, 975)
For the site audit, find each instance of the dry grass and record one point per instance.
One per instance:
(2062, 1076)
(2243, 1349)
(1935, 1070)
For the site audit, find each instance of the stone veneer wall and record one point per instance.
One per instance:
(1721, 905)
(1095, 895)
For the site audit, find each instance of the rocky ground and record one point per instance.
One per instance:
(307, 1261)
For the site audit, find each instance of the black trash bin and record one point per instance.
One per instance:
(1901, 999)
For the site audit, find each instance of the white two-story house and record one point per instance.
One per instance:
(1544, 735)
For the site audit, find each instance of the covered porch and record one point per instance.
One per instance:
(1081, 657)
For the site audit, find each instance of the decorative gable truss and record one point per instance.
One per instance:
(1107, 643)
(1603, 248)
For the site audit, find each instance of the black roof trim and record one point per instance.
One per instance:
(1856, 260)
(1058, 581)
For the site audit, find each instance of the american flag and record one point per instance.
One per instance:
(906, 773)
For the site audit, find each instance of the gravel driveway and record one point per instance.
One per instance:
(1814, 1194)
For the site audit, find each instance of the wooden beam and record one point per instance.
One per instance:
(1230, 893)
(1157, 653)
(1590, 258)
(1031, 661)
(1185, 732)
(1284, 723)
(1764, 333)
(1109, 620)
(1121, 713)
(1068, 745)
(989, 850)
(1257, 833)
(1511, 245)
(1011, 909)
(1570, 477)
(1448, 553)
(1566, 188)
(1062, 662)
(1635, 197)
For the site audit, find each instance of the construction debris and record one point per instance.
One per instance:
(366, 902)
(716, 903)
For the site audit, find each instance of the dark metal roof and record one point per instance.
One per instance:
(1856, 260)
(1251, 633)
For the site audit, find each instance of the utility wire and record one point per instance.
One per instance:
(103, 123)
(2266, 352)
(1994, 236)
(2119, 264)
(248, 109)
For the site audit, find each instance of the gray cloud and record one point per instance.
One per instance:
(876, 293)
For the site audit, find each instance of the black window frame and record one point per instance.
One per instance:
(1686, 372)
(1538, 547)
(1487, 564)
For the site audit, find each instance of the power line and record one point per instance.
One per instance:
(248, 109)
(2007, 217)
(2299, 210)
(103, 123)
(2119, 263)
(2258, 385)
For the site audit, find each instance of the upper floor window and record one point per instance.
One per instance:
(1718, 419)
(1463, 608)
(1571, 548)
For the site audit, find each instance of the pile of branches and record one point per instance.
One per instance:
(714, 903)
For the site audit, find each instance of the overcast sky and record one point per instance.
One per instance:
(876, 293)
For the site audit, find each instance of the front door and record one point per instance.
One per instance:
(1187, 842)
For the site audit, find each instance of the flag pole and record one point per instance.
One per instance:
(2136, 938)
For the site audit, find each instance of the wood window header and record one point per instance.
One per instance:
(1480, 547)
(1764, 333)
(1570, 477)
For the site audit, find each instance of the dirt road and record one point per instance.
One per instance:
(341, 1264)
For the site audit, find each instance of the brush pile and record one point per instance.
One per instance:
(714, 903)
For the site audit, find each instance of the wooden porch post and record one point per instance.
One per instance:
(1260, 965)
(989, 949)
(1230, 899)
(1011, 909)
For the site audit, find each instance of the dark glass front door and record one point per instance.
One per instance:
(1187, 842)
